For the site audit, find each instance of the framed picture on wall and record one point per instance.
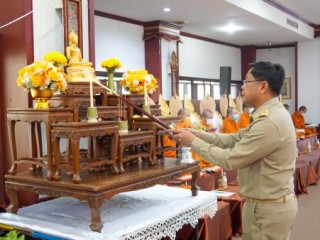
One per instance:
(286, 88)
(72, 19)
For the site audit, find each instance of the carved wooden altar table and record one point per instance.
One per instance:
(141, 139)
(111, 113)
(147, 124)
(94, 188)
(79, 88)
(33, 117)
(79, 104)
(74, 131)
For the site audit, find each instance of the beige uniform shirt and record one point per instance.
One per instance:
(264, 152)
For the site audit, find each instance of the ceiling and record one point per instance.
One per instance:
(206, 17)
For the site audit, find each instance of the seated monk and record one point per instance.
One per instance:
(298, 122)
(207, 123)
(244, 119)
(217, 121)
(207, 120)
(185, 122)
(78, 70)
(229, 124)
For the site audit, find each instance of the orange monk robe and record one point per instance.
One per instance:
(229, 126)
(298, 122)
(202, 162)
(244, 121)
(170, 143)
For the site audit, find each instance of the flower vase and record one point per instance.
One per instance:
(111, 81)
(42, 97)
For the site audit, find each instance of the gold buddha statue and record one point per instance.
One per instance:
(78, 70)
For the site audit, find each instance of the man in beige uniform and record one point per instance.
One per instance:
(264, 153)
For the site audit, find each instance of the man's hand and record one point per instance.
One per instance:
(197, 133)
(182, 136)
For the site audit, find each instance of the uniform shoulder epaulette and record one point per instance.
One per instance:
(264, 114)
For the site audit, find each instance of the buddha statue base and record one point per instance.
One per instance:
(82, 72)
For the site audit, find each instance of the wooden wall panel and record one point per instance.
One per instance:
(16, 51)
(248, 55)
(153, 62)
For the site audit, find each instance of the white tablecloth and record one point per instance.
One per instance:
(151, 213)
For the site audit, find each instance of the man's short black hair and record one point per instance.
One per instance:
(273, 73)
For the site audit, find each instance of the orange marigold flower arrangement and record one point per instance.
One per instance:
(134, 81)
(42, 75)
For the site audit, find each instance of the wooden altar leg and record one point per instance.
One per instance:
(120, 156)
(13, 147)
(32, 143)
(194, 186)
(38, 142)
(76, 160)
(49, 152)
(95, 204)
(14, 201)
(57, 157)
(115, 143)
(152, 153)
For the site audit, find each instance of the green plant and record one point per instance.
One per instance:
(12, 235)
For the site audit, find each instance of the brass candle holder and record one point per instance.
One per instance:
(146, 108)
(123, 126)
(92, 115)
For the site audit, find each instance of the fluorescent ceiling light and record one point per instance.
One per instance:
(230, 28)
(167, 9)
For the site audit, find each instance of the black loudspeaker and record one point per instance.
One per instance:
(225, 80)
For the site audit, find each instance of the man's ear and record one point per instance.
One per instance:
(264, 87)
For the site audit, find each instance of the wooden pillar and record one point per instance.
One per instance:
(153, 62)
(92, 57)
(248, 55)
(153, 33)
(16, 51)
(316, 31)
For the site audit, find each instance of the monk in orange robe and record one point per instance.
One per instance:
(206, 122)
(185, 122)
(244, 119)
(298, 121)
(229, 124)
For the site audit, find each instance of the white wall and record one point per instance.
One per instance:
(203, 59)
(48, 31)
(120, 40)
(47, 28)
(309, 78)
(285, 57)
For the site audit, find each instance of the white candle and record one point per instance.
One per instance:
(91, 92)
(145, 93)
